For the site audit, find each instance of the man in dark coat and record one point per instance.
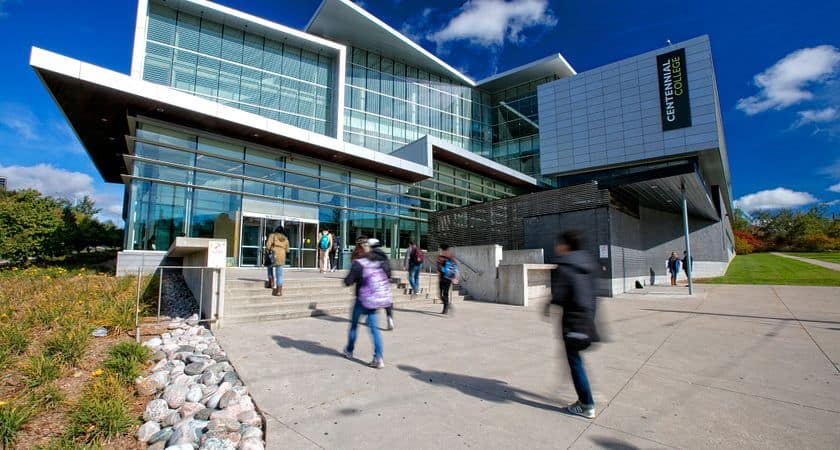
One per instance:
(573, 288)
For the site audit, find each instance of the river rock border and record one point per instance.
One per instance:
(200, 402)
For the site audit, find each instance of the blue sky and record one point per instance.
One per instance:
(777, 66)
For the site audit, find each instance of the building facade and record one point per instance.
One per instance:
(230, 125)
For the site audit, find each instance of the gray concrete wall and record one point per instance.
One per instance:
(529, 256)
(525, 284)
(483, 283)
(627, 255)
(611, 114)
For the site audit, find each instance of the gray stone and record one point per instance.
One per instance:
(190, 409)
(181, 447)
(228, 398)
(230, 412)
(153, 383)
(195, 368)
(193, 358)
(251, 444)
(251, 432)
(194, 394)
(156, 410)
(157, 446)
(147, 430)
(171, 419)
(230, 377)
(204, 414)
(210, 378)
(220, 367)
(175, 394)
(213, 400)
(249, 418)
(226, 425)
(186, 348)
(153, 342)
(214, 443)
(161, 436)
(159, 356)
(183, 434)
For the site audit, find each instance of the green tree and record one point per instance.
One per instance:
(28, 224)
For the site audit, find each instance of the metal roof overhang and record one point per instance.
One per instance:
(96, 102)
(551, 65)
(661, 189)
(424, 149)
(345, 22)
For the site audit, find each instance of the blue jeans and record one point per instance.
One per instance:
(414, 277)
(277, 273)
(358, 311)
(579, 378)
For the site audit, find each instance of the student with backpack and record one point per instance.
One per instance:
(335, 253)
(378, 255)
(413, 263)
(447, 274)
(325, 243)
(373, 291)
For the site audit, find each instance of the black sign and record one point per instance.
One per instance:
(673, 90)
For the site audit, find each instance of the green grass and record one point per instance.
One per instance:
(12, 419)
(764, 268)
(126, 360)
(41, 370)
(832, 257)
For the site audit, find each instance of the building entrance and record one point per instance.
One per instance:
(302, 236)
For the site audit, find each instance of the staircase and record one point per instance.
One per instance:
(307, 294)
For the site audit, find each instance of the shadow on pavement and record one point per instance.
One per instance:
(491, 390)
(612, 444)
(311, 347)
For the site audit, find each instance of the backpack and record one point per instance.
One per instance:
(324, 243)
(375, 287)
(449, 270)
(418, 255)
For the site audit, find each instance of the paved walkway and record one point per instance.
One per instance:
(816, 262)
(731, 367)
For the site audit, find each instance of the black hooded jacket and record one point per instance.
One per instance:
(573, 288)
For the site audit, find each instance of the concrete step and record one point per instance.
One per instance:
(332, 309)
(285, 304)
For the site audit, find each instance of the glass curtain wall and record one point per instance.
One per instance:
(240, 69)
(188, 184)
(389, 104)
(516, 139)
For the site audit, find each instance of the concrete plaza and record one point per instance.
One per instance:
(731, 367)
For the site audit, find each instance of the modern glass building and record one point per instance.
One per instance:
(229, 125)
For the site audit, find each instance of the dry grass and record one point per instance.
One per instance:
(59, 386)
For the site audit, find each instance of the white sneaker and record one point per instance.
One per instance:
(579, 409)
(377, 363)
(347, 353)
(390, 323)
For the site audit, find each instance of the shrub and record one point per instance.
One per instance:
(69, 344)
(817, 242)
(102, 411)
(126, 360)
(742, 244)
(13, 338)
(41, 370)
(12, 419)
(47, 396)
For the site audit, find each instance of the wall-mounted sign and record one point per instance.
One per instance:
(673, 90)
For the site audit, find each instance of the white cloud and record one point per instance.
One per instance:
(56, 182)
(832, 170)
(816, 116)
(784, 84)
(492, 22)
(22, 129)
(774, 199)
(835, 188)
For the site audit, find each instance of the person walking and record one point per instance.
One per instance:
(674, 267)
(335, 253)
(324, 246)
(413, 263)
(686, 262)
(573, 289)
(447, 275)
(377, 254)
(373, 291)
(277, 245)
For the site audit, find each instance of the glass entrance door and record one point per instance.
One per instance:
(302, 240)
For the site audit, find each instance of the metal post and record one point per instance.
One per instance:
(688, 264)
(137, 305)
(160, 294)
(201, 293)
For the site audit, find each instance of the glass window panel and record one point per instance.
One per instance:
(308, 66)
(184, 70)
(188, 31)
(162, 24)
(213, 216)
(207, 77)
(220, 148)
(291, 61)
(229, 79)
(164, 135)
(324, 70)
(158, 65)
(253, 50)
(232, 44)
